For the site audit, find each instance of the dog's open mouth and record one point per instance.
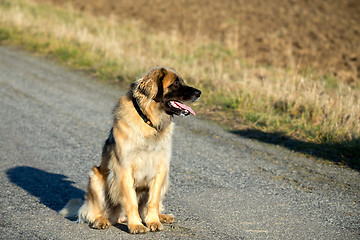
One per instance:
(181, 108)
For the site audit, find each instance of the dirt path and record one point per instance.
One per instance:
(320, 35)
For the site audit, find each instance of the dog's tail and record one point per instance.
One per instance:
(71, 209)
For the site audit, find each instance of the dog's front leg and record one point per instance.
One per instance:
(152, 216)
(129, 201)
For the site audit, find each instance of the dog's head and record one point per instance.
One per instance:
(168, 89)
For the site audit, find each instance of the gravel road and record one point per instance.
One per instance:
(53, 123)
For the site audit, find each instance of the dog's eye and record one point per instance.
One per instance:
(176, 83)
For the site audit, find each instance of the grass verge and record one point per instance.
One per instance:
(311, 114)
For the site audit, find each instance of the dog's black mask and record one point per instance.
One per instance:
(177, 93)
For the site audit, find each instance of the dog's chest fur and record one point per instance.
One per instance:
(146, 156)
(139, 147)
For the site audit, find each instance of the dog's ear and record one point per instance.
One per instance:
(151, 85)
(133, 86)
(160, 75)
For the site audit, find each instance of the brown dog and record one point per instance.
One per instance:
(132, 179)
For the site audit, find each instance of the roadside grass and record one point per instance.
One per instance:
(320, 111)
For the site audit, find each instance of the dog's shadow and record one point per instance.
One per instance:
(121, 226)
(53, 190)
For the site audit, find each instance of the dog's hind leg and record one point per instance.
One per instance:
(94, 208)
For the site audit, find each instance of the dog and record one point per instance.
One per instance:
(133, 177)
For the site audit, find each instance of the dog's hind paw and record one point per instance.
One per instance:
(166, 218)
(101, 223)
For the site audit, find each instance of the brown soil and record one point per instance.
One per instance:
(301, 34)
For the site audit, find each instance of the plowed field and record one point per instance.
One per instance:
(307, 35)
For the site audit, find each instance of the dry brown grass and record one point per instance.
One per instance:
(322, 111)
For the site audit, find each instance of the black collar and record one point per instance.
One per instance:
(142, 115)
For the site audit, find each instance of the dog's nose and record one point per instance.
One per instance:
(197, 93)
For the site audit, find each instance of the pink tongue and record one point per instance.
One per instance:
(183, 106)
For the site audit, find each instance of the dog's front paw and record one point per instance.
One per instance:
(134, 229)
(155, 226)
(101, 223)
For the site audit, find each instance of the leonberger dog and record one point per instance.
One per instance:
(133, 177)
